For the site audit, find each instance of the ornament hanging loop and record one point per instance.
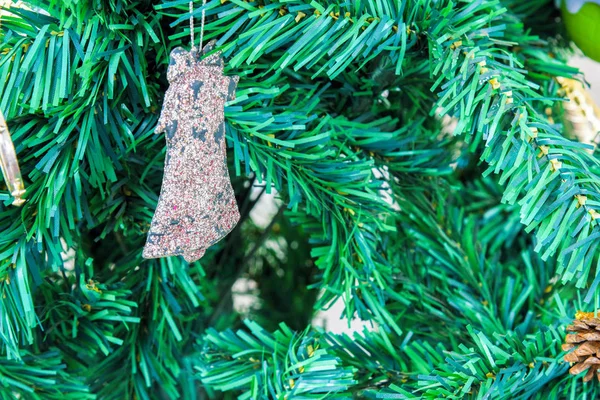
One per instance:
(192, 38)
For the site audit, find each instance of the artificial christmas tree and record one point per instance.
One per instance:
(426, 181)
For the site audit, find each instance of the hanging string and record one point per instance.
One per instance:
(201, 25)
(192, 24)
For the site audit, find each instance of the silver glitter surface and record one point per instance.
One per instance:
(197, 207)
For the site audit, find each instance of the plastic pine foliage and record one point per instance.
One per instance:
(424, 181)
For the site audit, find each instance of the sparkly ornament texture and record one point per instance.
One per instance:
(197, 206)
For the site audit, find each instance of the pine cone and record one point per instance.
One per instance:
(586, 342)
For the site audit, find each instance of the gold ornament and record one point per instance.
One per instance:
(581, 114)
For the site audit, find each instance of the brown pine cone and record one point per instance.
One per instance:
(586, 344)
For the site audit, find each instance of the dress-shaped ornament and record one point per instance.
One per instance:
(197, 206)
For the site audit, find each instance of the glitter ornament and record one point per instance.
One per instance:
(197, 206)
(582, 20)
